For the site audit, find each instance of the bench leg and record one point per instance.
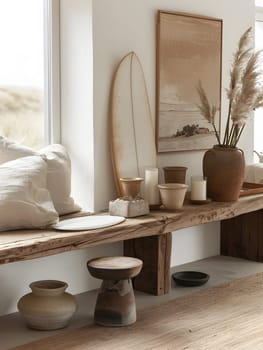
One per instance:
(241, 236)
(155, 252)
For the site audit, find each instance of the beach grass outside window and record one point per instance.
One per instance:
(26, 58)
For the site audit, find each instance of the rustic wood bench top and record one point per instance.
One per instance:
(29, 244)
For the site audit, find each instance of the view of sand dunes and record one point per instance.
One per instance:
(22, 116)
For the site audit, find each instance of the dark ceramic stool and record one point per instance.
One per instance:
(115, 304)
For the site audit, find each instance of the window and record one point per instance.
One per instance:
(26, 70)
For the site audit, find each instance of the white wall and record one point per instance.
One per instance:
(119, 26)
(77, 95)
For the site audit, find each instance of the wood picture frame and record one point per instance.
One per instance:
(189, 51)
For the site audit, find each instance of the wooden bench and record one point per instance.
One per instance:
(147, 238)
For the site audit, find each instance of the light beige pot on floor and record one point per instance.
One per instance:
(48, 306)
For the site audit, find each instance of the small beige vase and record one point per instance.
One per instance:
(48, 306)
(172, 195)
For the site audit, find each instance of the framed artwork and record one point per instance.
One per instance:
(189, 52)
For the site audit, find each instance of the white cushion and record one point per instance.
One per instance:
(25, 201)
(10, 150)
(254, 173)
(59, 171)
(59, 178)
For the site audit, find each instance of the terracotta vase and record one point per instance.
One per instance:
(224, 169)
(48, 307)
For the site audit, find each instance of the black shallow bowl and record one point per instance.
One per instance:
(190, 278)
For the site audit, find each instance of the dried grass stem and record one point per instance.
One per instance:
(245, 92)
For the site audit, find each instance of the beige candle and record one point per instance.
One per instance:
(151, 191)
(198, 188)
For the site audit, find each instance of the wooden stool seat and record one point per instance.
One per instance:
(114, 267)
(115, 304)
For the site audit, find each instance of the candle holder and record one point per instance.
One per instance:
(131, 186)
(198, 190)
(130, 205)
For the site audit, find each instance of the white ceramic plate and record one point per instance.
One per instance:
(88, 222)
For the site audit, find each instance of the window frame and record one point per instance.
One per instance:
(52, 119)
(259, 13)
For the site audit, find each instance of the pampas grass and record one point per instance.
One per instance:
(245, 92)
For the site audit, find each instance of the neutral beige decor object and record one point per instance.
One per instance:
(58, 171)
(131, 186)
(131, 204)
(131, 127)
(245, 92)
(128, 208)
(115, 304)
(172, 195)
(25, 202)
(48, 307)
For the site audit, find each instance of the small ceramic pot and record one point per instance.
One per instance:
(48, 307)
(172, 195)
(174, 174)
(131, 186)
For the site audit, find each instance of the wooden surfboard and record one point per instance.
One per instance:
(132, 135)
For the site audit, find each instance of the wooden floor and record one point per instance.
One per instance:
(229, 316)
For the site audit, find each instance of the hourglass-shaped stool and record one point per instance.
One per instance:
(115, 304)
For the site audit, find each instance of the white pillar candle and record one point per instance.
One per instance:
(151, 191)
(198, 188)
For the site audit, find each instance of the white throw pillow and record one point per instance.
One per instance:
(25, 202)
(10, 150)
(254, 173)
(59, 171)
(59, 178)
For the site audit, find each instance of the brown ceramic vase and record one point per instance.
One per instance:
(224, 169)
(174, 174)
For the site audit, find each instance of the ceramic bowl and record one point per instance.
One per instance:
(190, 278)
(172, 195)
